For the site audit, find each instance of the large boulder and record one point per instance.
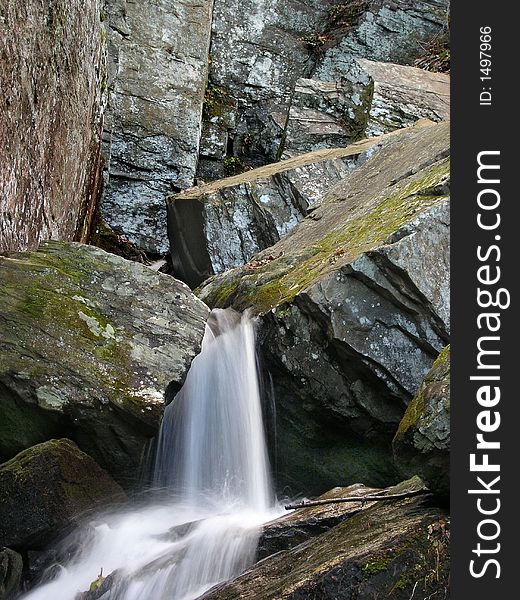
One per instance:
(355, 308)
(11, 565)
(53, 82)
(90, 344)
(283, 75)
(403, 94)
(158, 58)
(48, 487)
(222, 225)
(389, 549)
(422, 442)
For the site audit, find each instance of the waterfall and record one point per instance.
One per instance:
(212, 463)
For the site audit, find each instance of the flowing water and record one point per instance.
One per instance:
(212, 462)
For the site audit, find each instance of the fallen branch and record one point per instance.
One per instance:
(362, 499)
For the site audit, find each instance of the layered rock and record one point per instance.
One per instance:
(422, 442)
(395, 31)
(284, 79)
(355, 305)
(158, 62)
(381, 550)
(90, 342)
(403, 94)
(47, 488)
(222, 225)
(51, 108)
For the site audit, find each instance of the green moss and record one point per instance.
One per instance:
(233, 165)
(216, 101)
(375, 566)
(281, 280)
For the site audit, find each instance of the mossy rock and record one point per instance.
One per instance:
(90, 343)
(11, 565)
(422, 442)
(47, 488)
(380, 550)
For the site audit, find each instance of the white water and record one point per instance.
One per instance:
(212, 457)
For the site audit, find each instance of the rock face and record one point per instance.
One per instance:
(402, 95)
(50, 120)
(158, 64)
(90, 342)
(47, 488)
(283, 76)
(11, 565)
(355, 305)
(222, 225)
(422, 442)
(380, 550)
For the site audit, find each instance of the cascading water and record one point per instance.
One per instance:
(212, 457)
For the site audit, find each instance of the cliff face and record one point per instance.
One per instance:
(50, 119)
(158, 61)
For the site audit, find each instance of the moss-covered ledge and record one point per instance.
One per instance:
(403, 179)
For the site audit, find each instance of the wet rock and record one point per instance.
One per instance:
(381, 550)
(90, 343)
(402, 95)
(11, 565)
(355, 309)
(422, 442)
(48, 487)
(53, 91)
(159, 60)
(222, 225)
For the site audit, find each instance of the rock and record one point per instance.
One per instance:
(50, 120)
(48, 487)
(394, 31)
(90, 342)
(11, 566)
(402, 95)
(382, 550)
(422, 442)
(258, 52)
(222, 225)
(300, 525)
(159, 62)
(355, 309)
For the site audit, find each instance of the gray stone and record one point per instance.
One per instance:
(403, 94)
(422, 442)
(395, 31)
(222, 225)
(90, 344)
(159, 63)
(47, 488)
(53, 81)
(355, 305)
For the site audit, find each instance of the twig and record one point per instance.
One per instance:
(305, 504)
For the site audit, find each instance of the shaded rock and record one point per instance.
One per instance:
(46, 488)
(11, 565)
(158, 62)
(402, 95)
(422, 442)
(222, 225)
(355, 309)
(90, 342)
(53, 92)
(383, 550)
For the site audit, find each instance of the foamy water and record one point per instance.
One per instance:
(212, 457)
